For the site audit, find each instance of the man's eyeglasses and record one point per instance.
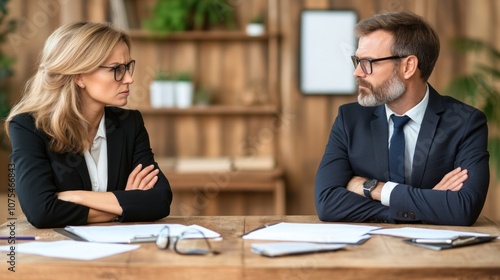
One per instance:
(190, 242)
(121, 69)
(366, 63)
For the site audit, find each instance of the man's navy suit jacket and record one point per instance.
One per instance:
(40, 173)
(452, 135)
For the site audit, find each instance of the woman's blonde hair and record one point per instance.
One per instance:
(52, 96)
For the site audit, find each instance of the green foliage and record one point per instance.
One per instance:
(477, 88)
(6, 27)
(181, 15)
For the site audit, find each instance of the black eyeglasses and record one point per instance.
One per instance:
(190, 242)
(121, 69)
(366, 63)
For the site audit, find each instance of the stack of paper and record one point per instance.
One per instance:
(132, 233)
(318, 233)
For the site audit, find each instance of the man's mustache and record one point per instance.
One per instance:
(364, 83)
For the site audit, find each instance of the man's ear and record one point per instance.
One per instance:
(410, 66)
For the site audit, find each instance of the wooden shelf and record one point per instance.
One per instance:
(213, 110)
(199, 36)
(238, 181)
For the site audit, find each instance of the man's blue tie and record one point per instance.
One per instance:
(397, 150)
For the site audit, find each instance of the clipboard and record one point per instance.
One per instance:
(449, 243)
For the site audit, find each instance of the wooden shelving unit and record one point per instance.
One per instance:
(231, 63)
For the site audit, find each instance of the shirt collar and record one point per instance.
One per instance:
(101, 131)
(416, 113)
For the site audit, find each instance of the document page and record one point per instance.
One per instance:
(70, 249)
(413, 232)
(130, 233)
(309, 232)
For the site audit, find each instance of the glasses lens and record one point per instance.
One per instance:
(365, 66)
(131, 67)
(163, 240)
(119, 72)
(192, 242)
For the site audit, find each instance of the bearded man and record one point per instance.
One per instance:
(403, 153)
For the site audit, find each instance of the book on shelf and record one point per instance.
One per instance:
(254, 163)
(203, 164)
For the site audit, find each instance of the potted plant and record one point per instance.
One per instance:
(162, 90)
(181, 15)
(183, 90)
(203, 96)
(256, 26)
(477, 88)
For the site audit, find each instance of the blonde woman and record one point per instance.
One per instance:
(78, 158)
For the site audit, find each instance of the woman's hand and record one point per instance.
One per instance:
(144, 179)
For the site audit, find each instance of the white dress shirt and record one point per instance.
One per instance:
(97, 160)
(411, 130)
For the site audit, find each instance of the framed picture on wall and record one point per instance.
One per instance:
(327, 41)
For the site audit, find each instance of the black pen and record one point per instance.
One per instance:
(259, 228)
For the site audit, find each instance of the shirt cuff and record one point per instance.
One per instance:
(385, 196)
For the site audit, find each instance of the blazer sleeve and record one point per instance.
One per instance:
(34, 178)
(465, 138)
(138, 205)
(333, 201)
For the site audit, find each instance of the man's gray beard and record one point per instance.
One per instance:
(394, 88)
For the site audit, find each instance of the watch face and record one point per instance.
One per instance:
(370, 185)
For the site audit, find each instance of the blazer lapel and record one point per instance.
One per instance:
(114, 139)
(380, 138)
(82, 170)
(426, 136)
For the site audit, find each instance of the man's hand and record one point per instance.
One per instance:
(144, 179)
(452, 181)
(355, 185)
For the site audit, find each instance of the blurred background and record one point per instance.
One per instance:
(219, 85)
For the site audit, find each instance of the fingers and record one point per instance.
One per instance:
(142, 179)
(453, 180)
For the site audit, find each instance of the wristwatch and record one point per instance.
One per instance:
(368, 187)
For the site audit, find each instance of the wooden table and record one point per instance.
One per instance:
(381, 257)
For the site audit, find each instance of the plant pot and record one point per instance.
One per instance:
(255, 29)
(162, 94)
(183, 94)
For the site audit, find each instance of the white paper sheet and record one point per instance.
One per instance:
(308, 232)
(70, 249)
(276, 249)
(413, 232)
(127, 233)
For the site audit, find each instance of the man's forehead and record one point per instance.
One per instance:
(375, 44)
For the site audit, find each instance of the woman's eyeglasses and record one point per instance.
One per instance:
(121, 69)
(190, 242)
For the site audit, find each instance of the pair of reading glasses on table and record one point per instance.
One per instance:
(191, 242)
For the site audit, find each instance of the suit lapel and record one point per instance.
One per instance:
(82, 170)
(114, 139)
(426, 136)
(380, 136)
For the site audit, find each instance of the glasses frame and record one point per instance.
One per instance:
(193, 252)
(127, 68)
(357, 61)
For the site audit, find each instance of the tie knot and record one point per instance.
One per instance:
(400, 121)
